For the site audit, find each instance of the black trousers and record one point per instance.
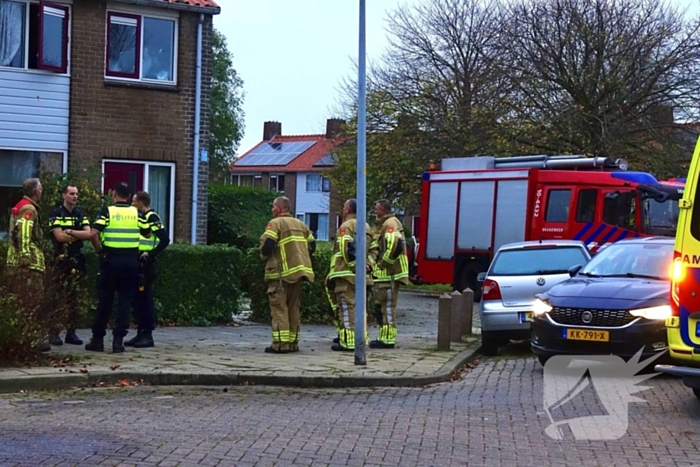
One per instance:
(68, 273)
(144, 306)
(118, 274)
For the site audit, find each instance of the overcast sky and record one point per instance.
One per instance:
(293, 55)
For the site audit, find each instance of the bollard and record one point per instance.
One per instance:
(467, 311)
(444, 312)
(456, 317)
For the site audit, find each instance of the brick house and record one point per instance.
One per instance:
(293, 165)
(110, 87)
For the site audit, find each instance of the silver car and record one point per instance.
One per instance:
(518, 273)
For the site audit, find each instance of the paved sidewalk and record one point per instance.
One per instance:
(227, 355)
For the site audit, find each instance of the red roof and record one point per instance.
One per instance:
(302, 163)
(200, 3)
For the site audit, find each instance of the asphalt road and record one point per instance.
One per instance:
(494, 415)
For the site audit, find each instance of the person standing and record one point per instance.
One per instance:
(69, 227)
(25, 257)
(391, 272)
(144, 306)
(120, 228)
(343, 274)
(286, 246)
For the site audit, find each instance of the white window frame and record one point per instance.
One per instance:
(25, 69)
(148, 13)
(236, 178)
(277, 183)
(171, 215)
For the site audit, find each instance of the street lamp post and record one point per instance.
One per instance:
(361, 237)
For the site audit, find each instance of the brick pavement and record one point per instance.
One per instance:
(492, 416)
(209, 355)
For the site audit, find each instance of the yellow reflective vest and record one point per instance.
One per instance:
(343, 260)
(392, 261)
(291, 259)
(121, 227)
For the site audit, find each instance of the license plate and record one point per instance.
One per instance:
(586, 335)
(525, 317)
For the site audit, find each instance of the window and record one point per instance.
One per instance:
(157, 178)
(15, 167)
(315, 182)
(558, 205)
(585, 211)
(34, 35)
(251, 181)
(619, 209)
(277, 182)
(537, 261)
(141, 47)
(317, 223)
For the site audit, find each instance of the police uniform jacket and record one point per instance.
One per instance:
(63, 219)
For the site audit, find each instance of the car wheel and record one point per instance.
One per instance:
(467, 278)
(489, 346)
(543, 359)
(696, 391)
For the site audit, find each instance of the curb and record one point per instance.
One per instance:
(69, 381)
(422, 293)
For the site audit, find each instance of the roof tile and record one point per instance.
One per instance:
(202, 3)
(302, 163)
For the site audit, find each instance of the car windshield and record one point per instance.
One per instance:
(537, 261)
(651, 260)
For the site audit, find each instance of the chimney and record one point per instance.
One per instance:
(271, 129)
(333, 127)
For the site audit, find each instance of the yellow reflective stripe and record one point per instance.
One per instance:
(389, 248)
(283, 254)
(387, 334)
(26, 235)
(272, 234)
(278, 275)
(293, 238)
(310, 238)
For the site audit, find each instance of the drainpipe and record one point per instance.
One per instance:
(197, 122)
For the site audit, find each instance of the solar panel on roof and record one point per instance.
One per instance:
(275, 153)
(326, 161)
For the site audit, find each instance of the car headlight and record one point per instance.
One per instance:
(654, 312)
(541, 307)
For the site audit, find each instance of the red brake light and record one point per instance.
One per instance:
(491, 290)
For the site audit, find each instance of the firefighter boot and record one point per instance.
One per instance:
(72, 338)
(96, 344)
(131, 342)
(146, 340)
(118, 344)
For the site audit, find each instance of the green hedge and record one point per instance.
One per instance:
(314, 306)
(238, 215)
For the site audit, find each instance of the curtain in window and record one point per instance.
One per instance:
(11, 25)
(323, 226)
(16, 166)
(313, 182)
(159, 189)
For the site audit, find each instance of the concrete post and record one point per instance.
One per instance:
(467, 311)
(444, 312)
(456, 317)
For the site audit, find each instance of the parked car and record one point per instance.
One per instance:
(518, 273)
(616, 304)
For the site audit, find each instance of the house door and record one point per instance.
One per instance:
(131, 174)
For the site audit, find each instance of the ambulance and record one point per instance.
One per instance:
(683, 327)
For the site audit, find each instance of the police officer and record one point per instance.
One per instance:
(69, 227)
(144, 307)
(343, 274)
(25, 258)
(391, 271)
(286, 245)
(120, 227)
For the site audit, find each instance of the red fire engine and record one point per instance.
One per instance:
(473, 206)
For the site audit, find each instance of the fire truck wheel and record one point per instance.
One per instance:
(696, 391)
(467, 278)
(489, 346)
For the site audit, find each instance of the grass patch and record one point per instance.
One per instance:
(430, 287)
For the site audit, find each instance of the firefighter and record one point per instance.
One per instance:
(287, 245)
(119, 228)
(25, 258)
(390, 272)
(144, 307)
(69, 227)
(343, 274)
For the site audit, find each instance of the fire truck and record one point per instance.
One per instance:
(472, 206)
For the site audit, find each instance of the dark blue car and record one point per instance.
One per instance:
(615, 304)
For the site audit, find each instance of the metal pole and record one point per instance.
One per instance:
(361, 239)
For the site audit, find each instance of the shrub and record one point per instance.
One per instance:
(238, 215)
(314, 307)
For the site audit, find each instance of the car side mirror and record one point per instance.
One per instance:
(481, 277)
(574, 270)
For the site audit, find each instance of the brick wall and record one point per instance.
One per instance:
(136, 121)
(290, 189)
